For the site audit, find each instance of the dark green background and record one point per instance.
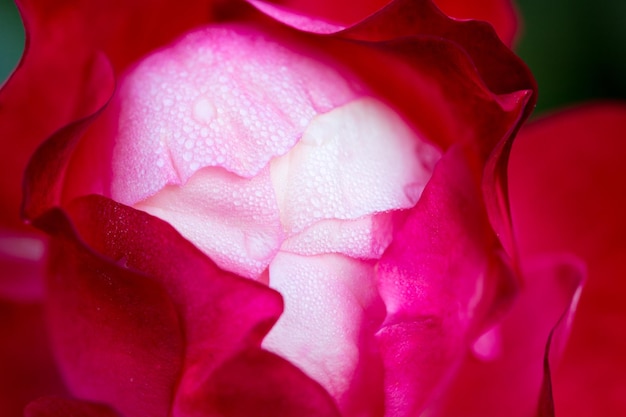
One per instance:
(576, 48)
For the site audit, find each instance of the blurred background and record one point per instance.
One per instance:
(575, 48)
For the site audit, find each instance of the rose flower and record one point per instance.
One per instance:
(258, 209)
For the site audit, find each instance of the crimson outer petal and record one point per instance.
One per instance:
(62, 407)
(510, 382)
(500, 13)
(568, 195)
(27, 367)
(454, 80)
(63, 39)
(142, 321)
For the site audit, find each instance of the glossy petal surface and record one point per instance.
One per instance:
(437, 280)
(568, 194)
(502, 376)
(500, 13)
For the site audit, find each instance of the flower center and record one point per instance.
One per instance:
(281, 167)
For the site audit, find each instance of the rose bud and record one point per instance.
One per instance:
(266, 212)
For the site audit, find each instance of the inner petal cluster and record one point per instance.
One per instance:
(281, 167)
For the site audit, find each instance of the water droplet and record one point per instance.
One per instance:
(203, 110)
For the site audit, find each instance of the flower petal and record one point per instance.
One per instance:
(356, 160)
(500, 13)
(180, 304)
(63, 42)
(115, 332)
(61, 407)
(332, 311)
(508, 382)
(257, 383)
(329, 17)
(320, 15)
(23, 265)
(440, 281)
(568, 194)
(232, 219)
(362, 238)
(223, 96)
(27, 367)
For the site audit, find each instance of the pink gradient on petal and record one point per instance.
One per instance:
(222, 96)
(344, 13)
(332, 310)
(356, 160)
(232, 219)
(298, 20)
(439, 280)
(363, 238)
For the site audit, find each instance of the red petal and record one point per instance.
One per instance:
(257, 383)
(61, 407)
(115, 331)
(500, 13)
(438, 280)
(507, 384)
(473, 66)
(23, 266)
(27, 368)
(568, 194)
(177, 282)
(63, 40)
(477, 92)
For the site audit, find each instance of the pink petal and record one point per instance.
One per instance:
(329, 13)
(355, 160)
(234, 220)
(441, 280)
(363, 238)
(568, 195)
(61, 407)
(222, 96)
(296, 19)
(331, 313)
